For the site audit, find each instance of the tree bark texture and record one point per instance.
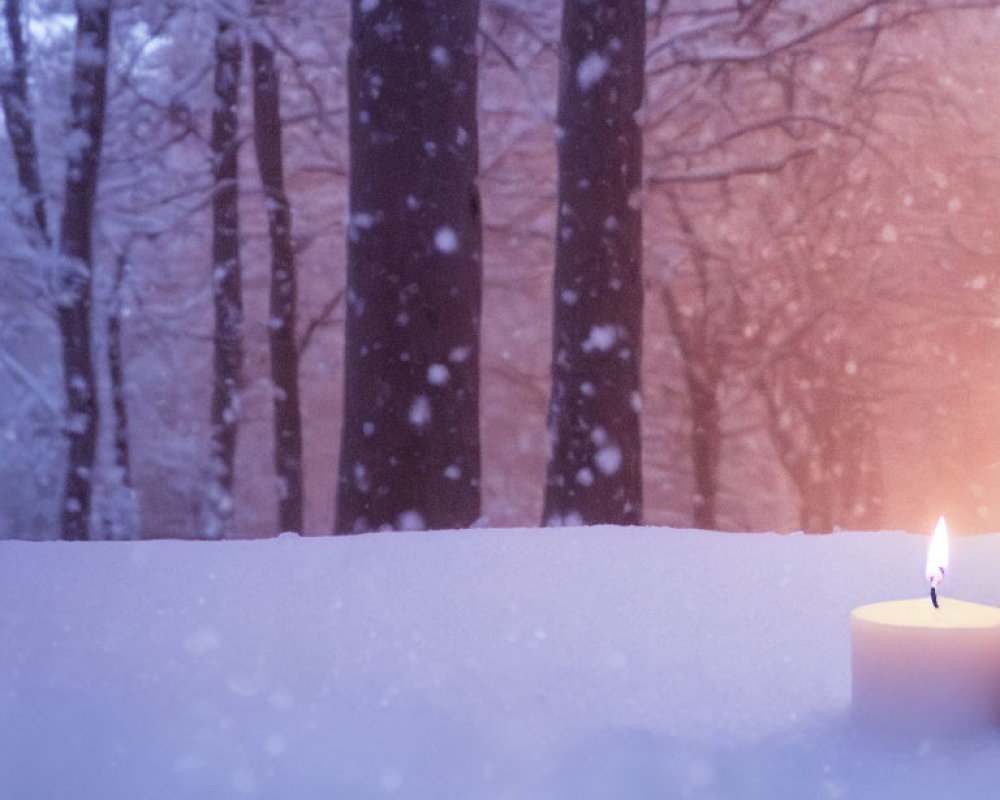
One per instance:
(116, 373)
(227, 295)
(594, 469)
(281, 324)
(19, 118)
(90, 66)
(410, 451)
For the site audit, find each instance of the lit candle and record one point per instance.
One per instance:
(926, 666)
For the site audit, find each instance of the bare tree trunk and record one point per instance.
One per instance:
(706, 450)
(226, 290)
(702, 356)
(19, 118)
(85, 138)
(116, 371)
(701, 376)
(281, 325)
(595, 471)
(118, 504)
(410, 454)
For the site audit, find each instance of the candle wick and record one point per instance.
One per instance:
(934, 599)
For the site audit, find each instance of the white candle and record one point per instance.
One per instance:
(926, 670)
(921, 669)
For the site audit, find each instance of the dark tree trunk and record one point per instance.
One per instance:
(227, 362)
(119, 507)
(702, 355)
(594, 471)
(281, 325)
(86, 133)
(794, 459)
(706, 449)
(18, 116)
(701, 377)
(410, 454)
(116, 370)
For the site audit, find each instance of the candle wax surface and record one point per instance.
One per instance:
(920, 613)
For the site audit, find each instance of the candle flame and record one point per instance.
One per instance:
(937, 554)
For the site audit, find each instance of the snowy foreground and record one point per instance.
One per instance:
(579, 663)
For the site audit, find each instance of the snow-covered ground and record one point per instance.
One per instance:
(575, 663)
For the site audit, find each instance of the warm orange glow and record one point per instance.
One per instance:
(937, 554)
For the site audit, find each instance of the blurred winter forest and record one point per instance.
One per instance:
(815, 312)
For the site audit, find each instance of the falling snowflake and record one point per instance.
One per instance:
(590, 70)
(608, 459)
(440, 56)
(445, 239)
(411, 520)
(602, 338)
(420, 411)
(438, 374)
